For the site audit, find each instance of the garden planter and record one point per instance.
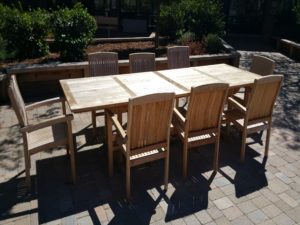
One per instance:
(43, 80)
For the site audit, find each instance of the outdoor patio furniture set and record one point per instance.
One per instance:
(148, 97)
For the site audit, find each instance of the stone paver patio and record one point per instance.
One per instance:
(257, 192)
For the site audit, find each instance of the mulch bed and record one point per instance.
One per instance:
(123, 49)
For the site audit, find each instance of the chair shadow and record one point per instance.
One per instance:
(13, 192)
(94, 189)
(95, 193)
(249, 176)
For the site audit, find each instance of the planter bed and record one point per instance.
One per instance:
(42, 80)
(287, 47)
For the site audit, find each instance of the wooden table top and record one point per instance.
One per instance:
(91, 93)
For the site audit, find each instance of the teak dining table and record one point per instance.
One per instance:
(113, 92)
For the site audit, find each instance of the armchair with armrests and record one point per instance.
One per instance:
(102, 64)
(178, 57)
(256, 114)
(147, 135)
(41, 136)
(141, 62)
(202, 121)
(260, 65)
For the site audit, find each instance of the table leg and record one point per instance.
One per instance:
(109, 143)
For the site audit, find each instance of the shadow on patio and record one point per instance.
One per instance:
(102, 199)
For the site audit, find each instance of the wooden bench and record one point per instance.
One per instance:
(108, 23)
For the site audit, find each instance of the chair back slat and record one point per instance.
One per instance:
(17, 101)
(149, 119)
(262, 65)
(263, 97)
(205, 106)
(103, 63)
(141, 62)
(178, 57)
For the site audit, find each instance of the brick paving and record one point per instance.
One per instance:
(257, 192)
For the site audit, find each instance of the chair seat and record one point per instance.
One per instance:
(237, 117)
(146, 154)
(47, 136)
(199, 137)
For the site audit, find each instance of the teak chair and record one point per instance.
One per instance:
(202, 122)
(102, 64)
(141, 62)
(148, 132)
(260, 65)
(41, 136)
(256, 115)
(178, 57)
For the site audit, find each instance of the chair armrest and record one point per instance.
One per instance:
(179, 117)
(118, 126)
(237, 105)
(45, 102)
(47, 123)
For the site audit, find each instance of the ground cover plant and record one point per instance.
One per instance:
(24, 33)
(190, 21)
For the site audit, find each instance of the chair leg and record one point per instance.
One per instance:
(94, 123)
(27, 169)
(67, 149)
(216, 155)
(166, 177)
(243, 147)
(227, 129)
(108, 128)
(63, 106)
(185, 160)
(127, 179)
(120, 118)
(71, 151)
(267, 141)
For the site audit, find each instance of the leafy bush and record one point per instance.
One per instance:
(171, 21)
(198, 16)
(25, 32)
(213, 43)
(73, 29)
(187, 38)
(296, 10)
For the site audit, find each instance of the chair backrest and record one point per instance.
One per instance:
(103, 63)
(141, 62)
(178, 57)
(263, 96)
(205, 107)
(17, 101)
(262, 65)
(149, 120)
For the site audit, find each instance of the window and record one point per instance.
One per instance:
(129, 5)
(101, 6)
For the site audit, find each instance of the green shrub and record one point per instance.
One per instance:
(213, 43)
(187, 38)
(296, 10)
(4, 51)
(171, 21)
(73, 29)
(198, 16)
(25, 32)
